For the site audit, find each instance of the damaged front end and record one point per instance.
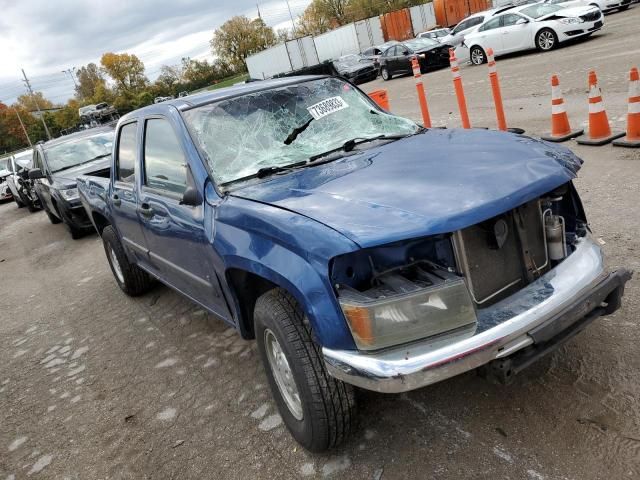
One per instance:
(427, 309)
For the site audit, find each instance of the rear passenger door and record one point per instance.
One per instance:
(178, 243)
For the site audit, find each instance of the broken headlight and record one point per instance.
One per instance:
(407, 305)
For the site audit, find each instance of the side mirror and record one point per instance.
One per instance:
(191, 196)
(35, 173)
(522, 21)
(405, 53)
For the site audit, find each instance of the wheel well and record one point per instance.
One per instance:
(100, 222)
(247, 287)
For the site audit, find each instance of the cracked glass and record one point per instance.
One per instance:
(286, 125)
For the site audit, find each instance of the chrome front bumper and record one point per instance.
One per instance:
(558, 299)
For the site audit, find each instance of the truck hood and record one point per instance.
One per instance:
(431, 183)
(67, 178)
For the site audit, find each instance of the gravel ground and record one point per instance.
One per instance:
(96, 385)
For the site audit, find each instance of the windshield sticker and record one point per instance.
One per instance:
(327, 107)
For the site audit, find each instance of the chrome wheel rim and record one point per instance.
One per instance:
(282, 374)
(116, 265)
(385, 74)
(477, 57)
(546, 40)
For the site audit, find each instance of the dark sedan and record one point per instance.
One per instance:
(397, 59)
(58, 162)
(356, 68)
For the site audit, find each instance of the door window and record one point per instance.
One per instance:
(165, 167)
(126, 159)
(510, 19)
(491, 24)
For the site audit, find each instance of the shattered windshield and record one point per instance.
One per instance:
(286, 125)
(74, 152)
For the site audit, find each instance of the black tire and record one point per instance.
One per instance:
(75, 232)
(477, 55)
(52, 218)
(32, 208)
(385, 74)
(18, 202)
(327, 404)
(546, 39)
(623, 8)
(132, 279)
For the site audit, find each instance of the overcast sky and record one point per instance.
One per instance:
(47, 36)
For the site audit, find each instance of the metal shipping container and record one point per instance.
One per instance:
(397, 25)
(338, 42)
(283, 58)
(423, 17)
(450, 12)
(369, 32)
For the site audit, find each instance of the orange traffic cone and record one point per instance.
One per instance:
(560, 128)
(632, 139)
(599, 129)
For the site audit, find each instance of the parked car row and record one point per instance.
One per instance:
(332, 232)
(45, 177)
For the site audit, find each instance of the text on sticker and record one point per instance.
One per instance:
(327, 107)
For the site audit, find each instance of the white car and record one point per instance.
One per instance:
(540, 26)
(436, 34)
(604, 5)
(469, 24)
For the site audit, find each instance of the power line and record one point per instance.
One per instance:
(26, 82)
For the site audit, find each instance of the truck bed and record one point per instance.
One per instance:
(93, 192)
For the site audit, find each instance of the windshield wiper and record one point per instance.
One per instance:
(349, 145)
(297, 131)
(267, 171)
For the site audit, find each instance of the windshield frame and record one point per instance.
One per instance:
(555, 7)
(224, 188)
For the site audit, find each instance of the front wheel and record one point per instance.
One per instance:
(18, 201)
(131, 279)
(52, 218)
(385, 74)
(477, 55)
(546, 39)
(317, 409)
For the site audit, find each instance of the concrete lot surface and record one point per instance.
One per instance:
(96, 385)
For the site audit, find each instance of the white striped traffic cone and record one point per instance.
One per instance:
(599, 130)
(632, 139)
(560, 128)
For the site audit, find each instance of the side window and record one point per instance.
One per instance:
(164, 162)
(491, 24)
(475, 21)
(461, 26)
(510, 19)
(126, 161)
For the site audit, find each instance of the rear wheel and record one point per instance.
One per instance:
(546, 39)
(477, 55)
(385, 74)
(317, 409)
(131, 279)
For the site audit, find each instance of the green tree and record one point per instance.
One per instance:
(35, 101)
(240, 37)
(126, 70)
(90, 79)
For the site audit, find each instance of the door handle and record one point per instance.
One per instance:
(145, 210)
(115, 199)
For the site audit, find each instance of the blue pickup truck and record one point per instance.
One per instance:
(358, 248)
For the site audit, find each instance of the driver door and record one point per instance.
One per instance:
(490, 36)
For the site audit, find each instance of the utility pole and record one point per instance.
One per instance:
(22, 125)
(26, 82)
(258, 7)
(293, 23)
(71, 71)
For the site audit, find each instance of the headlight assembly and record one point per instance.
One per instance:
(70, 194)
(570, 21)
(397, 319)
